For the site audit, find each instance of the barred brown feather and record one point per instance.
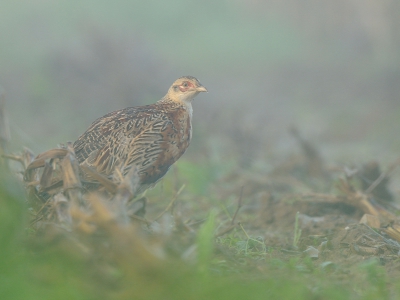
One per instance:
(150, 138)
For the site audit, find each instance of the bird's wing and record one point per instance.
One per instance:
(123, 138)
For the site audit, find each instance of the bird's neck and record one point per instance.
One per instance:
(177, 103)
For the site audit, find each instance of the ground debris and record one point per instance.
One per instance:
(371, 221)
(375, 182)
(55, 190)
(363, 240)
(290, 214)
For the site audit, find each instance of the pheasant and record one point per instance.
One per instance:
(150, 138)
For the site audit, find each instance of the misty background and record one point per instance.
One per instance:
(329, 68)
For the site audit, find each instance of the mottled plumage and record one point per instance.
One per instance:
(150, 137)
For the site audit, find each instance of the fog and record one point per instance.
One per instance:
(328, 68)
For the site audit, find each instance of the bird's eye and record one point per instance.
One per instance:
(185, 84)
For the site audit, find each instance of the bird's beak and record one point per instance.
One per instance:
(201, 89)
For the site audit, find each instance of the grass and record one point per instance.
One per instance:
(57, 264)
(297, 231)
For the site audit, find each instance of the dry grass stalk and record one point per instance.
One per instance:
(393, 231)
(110, 186)
(50, 154)
(70, 172)
(25, 158)
(382, 176)
(56, 190)
(350, 196)
(357, 198)
(371, 221)
(170, 204)
(45, 180)
(233, 224)
(238, 206)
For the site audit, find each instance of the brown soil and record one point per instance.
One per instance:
(331, 232)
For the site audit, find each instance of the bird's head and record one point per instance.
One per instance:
(184, 89)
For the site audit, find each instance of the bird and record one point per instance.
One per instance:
(149, 138)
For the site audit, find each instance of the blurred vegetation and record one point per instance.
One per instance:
(116, 260)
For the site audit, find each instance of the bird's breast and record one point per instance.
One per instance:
(181, 132)
(176, 134)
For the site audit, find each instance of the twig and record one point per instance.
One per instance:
(382, 176)
(240, 224)
(34, 221)
(41, 216)
(13, 157)
(195, 222)
(147, 222)
(226, 230)
(171, 203)
(251, 239)
(233, 225)
(388, 241)
(317, 196)
(39, 161)
(238, 206)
